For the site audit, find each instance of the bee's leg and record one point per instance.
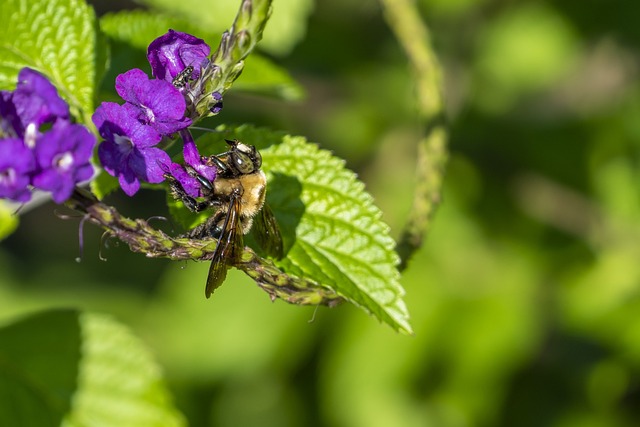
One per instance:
(178, 193)
(209, 228)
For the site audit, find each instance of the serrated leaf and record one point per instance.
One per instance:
(59, 39)
(8, 221)
(67, 368)
(332, 231)
(139, 28)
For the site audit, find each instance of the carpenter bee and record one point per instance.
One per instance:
(237, 196)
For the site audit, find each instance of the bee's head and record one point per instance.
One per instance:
(243, 158)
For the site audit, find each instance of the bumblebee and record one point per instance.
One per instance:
(237, 196)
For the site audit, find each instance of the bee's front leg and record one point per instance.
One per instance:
(178, 193)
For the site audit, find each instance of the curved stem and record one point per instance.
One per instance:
(404, 20)
(143, 238)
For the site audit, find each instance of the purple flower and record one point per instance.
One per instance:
(174, 51)
(128, 151)
(217, 103)
(62, 158)
(159, 104)
(16, 164)
(37, 102)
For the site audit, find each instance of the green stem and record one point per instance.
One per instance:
(227, 62)
(404, 20)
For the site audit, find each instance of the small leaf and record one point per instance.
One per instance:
(59, 39)
(64, 367)
(103, 184)
(8, 221)
(139, 28)
(332, 231)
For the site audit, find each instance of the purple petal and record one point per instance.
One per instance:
(193, 158)
(73, 139)
(116, 122)
(156, 163)
(129, 182)
(112, 157)
(16, 165)
(10, 123)
(37, 100)
(84, 173)
(190, 185)
(60, 185)
(60, 153)
(172, 52)
(159, 103)
(217, 103)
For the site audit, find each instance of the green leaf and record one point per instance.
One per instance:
(262, 76)
(103, 184)
(8, 221)
(65, 367)
(58, 38)
(332, 231)
(139, 28)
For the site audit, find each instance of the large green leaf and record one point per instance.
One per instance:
(139, 27)
(57, 38)
(332, 231)
(68, 368)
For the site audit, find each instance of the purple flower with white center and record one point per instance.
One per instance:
(16, 165)
(37, 102)
(159, 104)
(62, 159)
(174, 51)
(193, 158)
(128, 151)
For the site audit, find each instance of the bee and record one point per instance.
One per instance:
(183, 77)
(237, 196)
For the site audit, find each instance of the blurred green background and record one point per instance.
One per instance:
(525, 298)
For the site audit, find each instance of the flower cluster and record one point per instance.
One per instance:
(155, 108)
(39, 145)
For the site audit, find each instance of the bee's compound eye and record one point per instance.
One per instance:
(243, 163)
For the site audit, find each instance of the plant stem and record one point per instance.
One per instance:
(413, 35)
(143, 238)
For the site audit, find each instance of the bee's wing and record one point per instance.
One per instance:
(267, 232)
(229, 247)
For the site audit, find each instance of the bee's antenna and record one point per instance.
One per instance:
(231, 142)
(206, 129)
